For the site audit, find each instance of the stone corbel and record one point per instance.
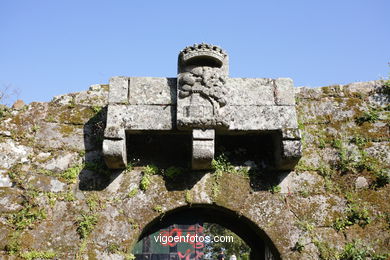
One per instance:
(114, 147)
(202, 148)
(114, 144)
(288, 149)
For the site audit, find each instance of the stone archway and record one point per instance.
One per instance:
(259, 242)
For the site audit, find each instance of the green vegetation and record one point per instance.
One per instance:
(371, 116)
(360, 163)
(305, 225)
(13, 246)
(71, 174)
(145, 182)
(382, 178)
(237, 246)
(275, 189)
(50, 119)
(172, 172)
(158, 208)
(133, 223)
(96, 109)
(321, 143)
(337, 143)
(151, 169)
(386, 87)
(326, 252)
(16, 175)
(113, 248)
(38, 255)
(222, 164)
(354, 250)
(35, 128)
(132, 192)
(215, 189)
(324, 170)
(72, 103)
(97, 167)
(27, 217)
(355, 214)
(358, 140)
(129, 256)
(54, 196)
(86, 224)
(95, 202)
(129, 167)
(299, 246)
(4, 111)
(148, 171)
(188, 197)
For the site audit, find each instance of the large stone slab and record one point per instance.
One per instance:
(261, 117)
(152, 91)
(141, 117)
(250, 91)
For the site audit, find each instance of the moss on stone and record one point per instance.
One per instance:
(29, 255)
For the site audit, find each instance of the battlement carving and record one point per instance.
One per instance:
(203, 49)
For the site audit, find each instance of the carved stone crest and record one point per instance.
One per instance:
(201, 87)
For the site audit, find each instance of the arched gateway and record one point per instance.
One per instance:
(188, 221)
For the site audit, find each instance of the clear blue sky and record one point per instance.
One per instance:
(49, 48)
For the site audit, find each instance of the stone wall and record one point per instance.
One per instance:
(58, 200)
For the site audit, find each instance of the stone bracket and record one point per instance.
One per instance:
(288, 149)
(114, 147)
(202, 148)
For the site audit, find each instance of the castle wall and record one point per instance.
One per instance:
(58, 198)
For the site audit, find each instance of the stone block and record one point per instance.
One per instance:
(114, 132)
(147, 117)
(292, 149)
(261, 117)
(291, 133)
(200, 134)
(141, 117)
(284, 92)
(287, 154)
(119, 90)
(202, 148)
(115, 154)
(152, 91)
(250, 91)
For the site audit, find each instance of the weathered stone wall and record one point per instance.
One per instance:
(58, 200)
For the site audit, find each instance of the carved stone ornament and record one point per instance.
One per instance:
(204, 101)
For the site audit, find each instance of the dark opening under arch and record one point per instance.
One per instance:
(260, 244)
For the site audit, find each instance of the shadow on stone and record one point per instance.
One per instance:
(254, 152)
(184, 181)
(95, 175)
(171, 151)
